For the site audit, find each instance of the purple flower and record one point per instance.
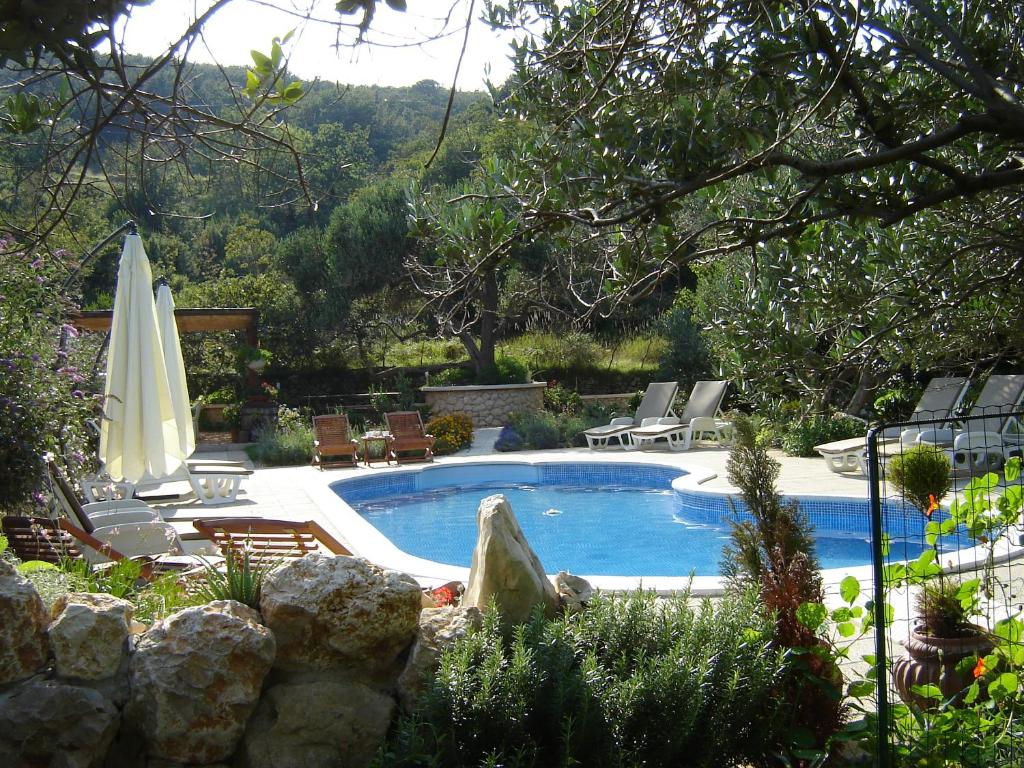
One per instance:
(37, 263)
(70, 330)
(78, 394)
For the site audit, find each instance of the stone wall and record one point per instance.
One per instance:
(488, 406)
(313, 678)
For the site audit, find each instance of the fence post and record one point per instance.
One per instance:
(877, 569)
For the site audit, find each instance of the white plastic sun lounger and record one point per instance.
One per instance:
(985, 443)
(940, 398)
(701, 420)
(657, 403)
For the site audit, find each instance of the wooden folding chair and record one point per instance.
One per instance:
(408, 436)
(333, 444)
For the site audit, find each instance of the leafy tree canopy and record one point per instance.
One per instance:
(696, 129)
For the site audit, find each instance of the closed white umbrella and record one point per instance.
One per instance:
(139, 432)
(175, 368)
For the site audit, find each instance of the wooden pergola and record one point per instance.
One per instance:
(187, 320)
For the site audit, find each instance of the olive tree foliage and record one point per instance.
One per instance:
(670, 134)
(827, 316)
(475, 277)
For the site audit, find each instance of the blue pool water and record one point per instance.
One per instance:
(590, 528)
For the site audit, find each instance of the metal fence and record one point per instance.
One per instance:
(948, 559)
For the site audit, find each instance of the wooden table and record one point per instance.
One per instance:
(384, 438)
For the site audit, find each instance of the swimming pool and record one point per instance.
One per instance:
(600, 519)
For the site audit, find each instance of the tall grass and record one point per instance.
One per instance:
(425, 352)
(544, 351)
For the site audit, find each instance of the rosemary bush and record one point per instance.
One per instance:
(632, 680)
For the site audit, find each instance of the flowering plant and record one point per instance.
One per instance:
(43, 398)
(453, 432)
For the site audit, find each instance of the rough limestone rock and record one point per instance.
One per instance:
(195, 680)
(48, 723)
(339, 613)
(573, 591)
(23, 620)
(318, 723)
(505, 567)
(89, 635)
(439, 628)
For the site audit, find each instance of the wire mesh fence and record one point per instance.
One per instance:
(948, 572)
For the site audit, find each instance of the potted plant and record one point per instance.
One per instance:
(943, 645)
(233, 421)
(253, 358)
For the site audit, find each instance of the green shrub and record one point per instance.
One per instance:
(571, 427)
(801, 436)
(451, 377)
(685, 357)
(560, 399)
(44, 396)
(452, 432)
(922, 474)
(630, 681)
(506, 370)
(897, 403)
(403, 397)
(539, 431)
(288, 442)
(221, 396)
(508, 440)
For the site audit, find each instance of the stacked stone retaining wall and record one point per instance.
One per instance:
(488, 406)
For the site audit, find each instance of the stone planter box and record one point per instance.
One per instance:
(487, 405)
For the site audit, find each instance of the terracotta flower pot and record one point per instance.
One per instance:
(931, 660)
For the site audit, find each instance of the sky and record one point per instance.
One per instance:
(397, 60)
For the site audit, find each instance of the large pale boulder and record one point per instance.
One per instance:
(317, 723)
(439, 628)
(89, 635)
(505, 567)
(196, 679)
(48, 723)
(23, 620)
(339, 613)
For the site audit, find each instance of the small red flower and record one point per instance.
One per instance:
(932, 506)
(979, 668)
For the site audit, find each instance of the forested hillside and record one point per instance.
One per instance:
(225, 234)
